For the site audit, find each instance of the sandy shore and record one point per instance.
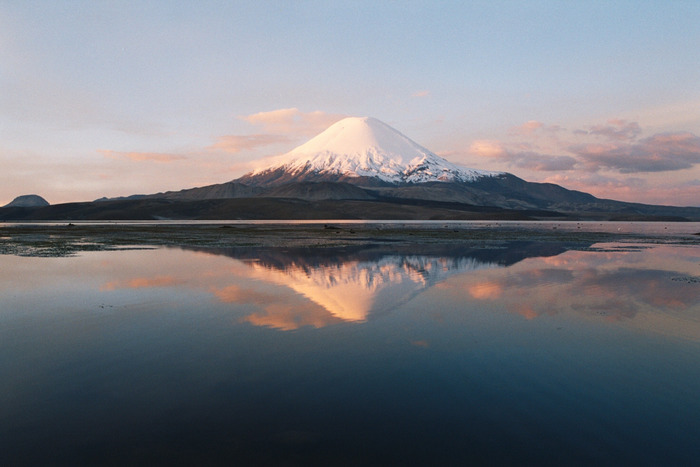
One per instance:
(70, 239)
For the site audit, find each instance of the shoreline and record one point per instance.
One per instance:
(68, 239)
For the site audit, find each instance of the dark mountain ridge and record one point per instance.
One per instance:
(502, 198)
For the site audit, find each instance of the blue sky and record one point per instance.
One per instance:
(108, 98)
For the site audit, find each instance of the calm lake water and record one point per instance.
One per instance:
(525, 353)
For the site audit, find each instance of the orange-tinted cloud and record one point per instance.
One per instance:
(141, 156)
(293, 121)
(487, 148)
(423, 93)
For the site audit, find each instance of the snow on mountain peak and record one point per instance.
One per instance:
(367, 147)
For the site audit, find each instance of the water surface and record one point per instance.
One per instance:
(521, 352)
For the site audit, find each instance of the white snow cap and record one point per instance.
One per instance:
(367, 147)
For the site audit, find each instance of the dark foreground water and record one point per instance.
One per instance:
(524, 353)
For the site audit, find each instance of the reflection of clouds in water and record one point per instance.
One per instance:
(615, 286)
(618, 293)
(652, 287)
(486, 290)
(349, 284)
(237, 294)
(287, 317)
(288, 291)
(276, 310)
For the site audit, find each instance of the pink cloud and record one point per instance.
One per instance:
(658, 153)
(488, 148)
(538, 147)
(517, 157)
(141, 156)
(293, 121)
(424, 93)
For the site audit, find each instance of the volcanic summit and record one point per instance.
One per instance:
(361, 149)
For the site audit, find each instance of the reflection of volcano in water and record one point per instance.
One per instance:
(352, 283)
(352, 289)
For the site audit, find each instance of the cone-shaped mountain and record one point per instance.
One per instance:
(362, 149)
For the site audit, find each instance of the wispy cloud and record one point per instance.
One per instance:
(236, 143)
(423, 93)
(541, 147)
(610, 160)
(521, 157)
(533, 126)
(142, 156)
(293, 120)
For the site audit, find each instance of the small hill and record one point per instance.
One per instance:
(27, 201)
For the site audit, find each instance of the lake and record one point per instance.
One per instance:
(517, 350)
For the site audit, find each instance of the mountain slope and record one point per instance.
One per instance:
(219, 191)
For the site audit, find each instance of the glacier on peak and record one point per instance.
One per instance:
(367, 147)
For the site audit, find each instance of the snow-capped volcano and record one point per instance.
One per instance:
(364, 148)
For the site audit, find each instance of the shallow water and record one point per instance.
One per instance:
(668, 228)
(524, 352)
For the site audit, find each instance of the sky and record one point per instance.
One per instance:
(113, 98)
